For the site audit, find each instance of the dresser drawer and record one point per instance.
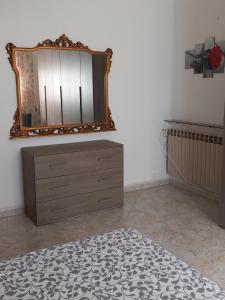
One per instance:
(65, 186)
(54, 210)
(77, 162)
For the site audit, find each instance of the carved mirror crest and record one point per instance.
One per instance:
(62, 88)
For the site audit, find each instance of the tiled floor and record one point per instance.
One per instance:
(179, 221)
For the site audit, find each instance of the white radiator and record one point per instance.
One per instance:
(195, 158)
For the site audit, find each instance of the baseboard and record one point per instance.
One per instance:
(194, 189)
(128, 188)
(145, 185)
(11, 212)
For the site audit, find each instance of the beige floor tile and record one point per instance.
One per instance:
(183, 223)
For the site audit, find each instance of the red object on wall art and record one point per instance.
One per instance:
(215, 57)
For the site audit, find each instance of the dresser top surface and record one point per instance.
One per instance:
(71, 147)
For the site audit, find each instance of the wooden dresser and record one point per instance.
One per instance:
(66, 180)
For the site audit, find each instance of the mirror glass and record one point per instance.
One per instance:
(61, 87)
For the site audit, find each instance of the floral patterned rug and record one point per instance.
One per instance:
(122, 264)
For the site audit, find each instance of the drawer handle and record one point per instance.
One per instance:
(57, 164)
(58, 209)
(103, 179)
(57, 187)
(103, 158)
(104, 199)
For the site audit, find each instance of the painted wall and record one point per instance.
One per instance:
(195, 98)
(141, 34)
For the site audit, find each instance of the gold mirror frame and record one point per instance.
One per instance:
(63, 42)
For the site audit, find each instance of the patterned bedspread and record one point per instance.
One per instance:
(122, 264)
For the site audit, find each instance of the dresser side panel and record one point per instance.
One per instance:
(29, 185)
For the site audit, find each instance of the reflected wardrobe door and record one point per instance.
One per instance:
(48, 68)
(87, 87)
(70, 83)
(40, 87)
(56, 83)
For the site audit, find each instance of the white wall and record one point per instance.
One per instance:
(140, 32)
(195, 98)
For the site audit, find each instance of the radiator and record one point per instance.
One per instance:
(195, 158)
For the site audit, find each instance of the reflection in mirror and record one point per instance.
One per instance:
(60, 87)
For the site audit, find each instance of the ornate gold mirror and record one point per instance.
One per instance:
(62, 88)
